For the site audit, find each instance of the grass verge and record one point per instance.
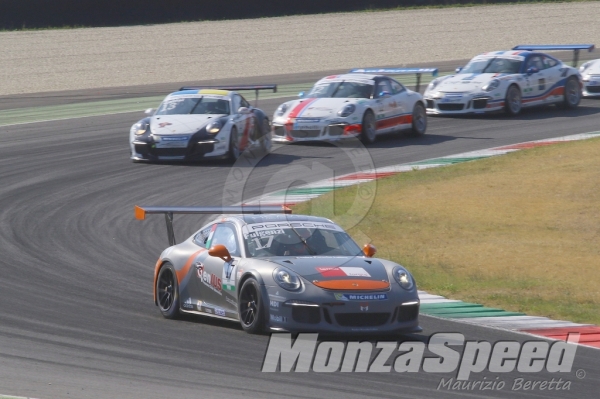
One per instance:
(520, 231)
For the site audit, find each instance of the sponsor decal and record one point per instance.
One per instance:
(277, 297)
(188, 304)
(343, 271)
(251, 228)
(219, 311)
(163, 124)
(264, 233)
(361, 297)
(210, 280)
(278, 318)
(447, 353)
(364, 306)
(274, 304)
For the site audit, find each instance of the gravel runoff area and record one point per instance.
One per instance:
(68, 59)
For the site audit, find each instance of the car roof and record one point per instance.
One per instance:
(350, 77)
(210, 92)
(271, 218)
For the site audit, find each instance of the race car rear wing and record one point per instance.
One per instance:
(548, 47)
(169, 211)
(256, 88)
(399, 71)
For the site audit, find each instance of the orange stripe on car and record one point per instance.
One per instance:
(352, 285)
(180, 274)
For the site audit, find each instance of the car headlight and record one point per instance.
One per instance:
(139, 128)
(214, 127)
(403, 278)
(492, 85)
(433, 84)
(286, 279)
(282, 109)
(584, 66)
(347, 110)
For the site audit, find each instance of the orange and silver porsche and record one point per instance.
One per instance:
(273, 271)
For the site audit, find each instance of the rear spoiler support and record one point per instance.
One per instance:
(169, 211)
(399, 71)
(547, 47)
(256, 88)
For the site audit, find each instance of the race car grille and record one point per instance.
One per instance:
(593, 89)
(303, 134)
(408, 313)
(451, 107)
(429, 103)
(279, 131)
(361, 319)
(310, 315)
(336, 130)
(169, 152)
(479, 103)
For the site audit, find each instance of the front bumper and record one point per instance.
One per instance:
(591, 88)
(322, 312)
(462, 105)
(194, 151)
(285, 133)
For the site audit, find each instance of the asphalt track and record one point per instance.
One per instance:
(77, 316)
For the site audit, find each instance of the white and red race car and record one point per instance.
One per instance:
(590, 73)
(509, 81)
(363, 103)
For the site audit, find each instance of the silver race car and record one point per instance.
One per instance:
(507, 81)
(363, 103)
(201, 122)
(281, 272)
(590, 72)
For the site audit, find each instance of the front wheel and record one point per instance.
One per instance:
(234, 145)
(513, 101)
(250, 307)
(167, 292)
(419, 120)
(572, 94)
(368, 128)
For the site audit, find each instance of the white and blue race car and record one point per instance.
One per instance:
(201, 122)
(590, 72)
(509, 81)
(363, 103)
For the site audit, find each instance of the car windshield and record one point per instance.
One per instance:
(493, 65)
(266, 240)
(341, 90)
(193, 105)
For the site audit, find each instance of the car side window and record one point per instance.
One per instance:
(225, 235)
(549, 62)
(396, 87)
(535, 61)
(203, 237)
(382, 86)
(244, 102)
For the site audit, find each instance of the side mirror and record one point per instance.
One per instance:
(532, 70)
(220, 251)
(243, 110)
(457, 70)
(369, 250)
(301, 94)
(149, 111)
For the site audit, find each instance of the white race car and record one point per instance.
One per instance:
(590, 72)
(507, 80)
(195, 123)
(362, 103)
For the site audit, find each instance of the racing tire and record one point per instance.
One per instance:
(265, 139)
(250, 307)
(369, 128)
(572, 94)
(234, 150)
(419, 120)
(513, 103)
(167, 292)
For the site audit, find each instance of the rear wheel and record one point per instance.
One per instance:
(368, 128)
(234, 145)
(572, 94)
(419, 120)
(513, 101)
(265, 139)
(167, 292)
(250, 307)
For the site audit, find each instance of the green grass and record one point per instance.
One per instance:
(519, 232)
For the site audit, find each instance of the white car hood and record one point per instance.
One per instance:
(322, 108)
(179, 124)
(466, 82)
